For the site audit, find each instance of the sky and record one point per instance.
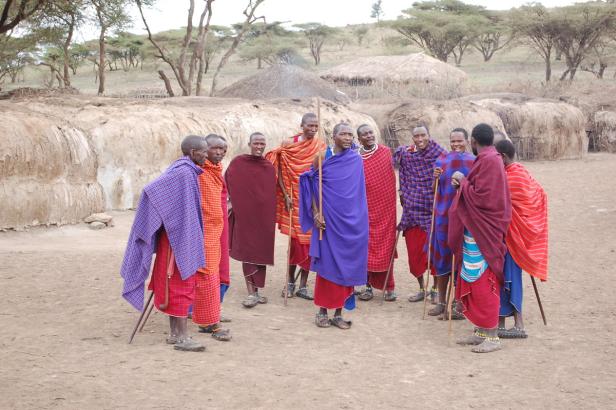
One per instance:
(172, 14)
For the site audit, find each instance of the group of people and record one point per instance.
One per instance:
(480, 215)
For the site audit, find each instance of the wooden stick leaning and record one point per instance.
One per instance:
(319, 135)
(427, 282)
(450, 293)
(147, 316)
(286, 279)
(140, 318)
(545, 321)
(391, 264)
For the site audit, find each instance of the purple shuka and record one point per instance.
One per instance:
(172, 201)
(342, 256)
(416, 176)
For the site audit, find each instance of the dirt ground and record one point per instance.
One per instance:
(66, 329)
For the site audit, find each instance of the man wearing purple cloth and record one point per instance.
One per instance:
(168, 222)
(417, 164)
(340, 258)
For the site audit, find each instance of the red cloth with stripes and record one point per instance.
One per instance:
(416, 240)
(480, 299)
(377, 280)
(527, 237)
(330, 295)
(224, 267)
(381, 197)
(207, 292)
(181, 292)
(300, 254)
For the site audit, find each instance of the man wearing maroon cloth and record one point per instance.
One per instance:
(478, 221)
(251, 182)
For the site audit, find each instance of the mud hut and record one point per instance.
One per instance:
(413, 75)
(440, 117)
(603, 134)
(283, 81)
(539, 128)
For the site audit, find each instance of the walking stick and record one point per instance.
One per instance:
(430, 248)
(170, 263)
(147, 316)
(532, 278)
(450, 293)
(320, 134)
(286, 280)
(140, 317)
(391, 264)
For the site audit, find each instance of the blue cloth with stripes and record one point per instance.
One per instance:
(473, 262)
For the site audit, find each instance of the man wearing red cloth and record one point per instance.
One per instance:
(251, 181)
(381, 195)
(417, 163)
(291, 159)
(478, 221)
(527, 239)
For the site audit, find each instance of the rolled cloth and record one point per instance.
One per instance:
(342, 256)
(293, 160)
(483, 206)
(251, 182)
(527, 237)
(171, 200)
(381, 197)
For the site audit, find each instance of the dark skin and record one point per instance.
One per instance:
(366, 138)
(342, 141)
(216, 151)
(309, 130)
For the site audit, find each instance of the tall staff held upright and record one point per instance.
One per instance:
(319, 135)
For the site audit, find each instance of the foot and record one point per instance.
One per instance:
(321, 320)
(224, 319)
(434, 296)
(171, 339)
(206, 329)
(390, 296)
(418, 297)
(304, 293)
(220, 334)
(437, 310)
(455, 315)
(188, 345)
(366, 294)
(261, 299)
(491, 344)
(340, 323)
(513, 333)
(290, 290)
(472, 340)
(250, 301)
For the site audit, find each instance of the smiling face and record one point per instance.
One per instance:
(457, 141)
(257, 145)
(344, 138)
(366, 137)
(216, 150)
(421, 138)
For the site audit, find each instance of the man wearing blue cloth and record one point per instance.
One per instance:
(340, 258)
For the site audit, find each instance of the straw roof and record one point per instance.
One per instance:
(283, 81)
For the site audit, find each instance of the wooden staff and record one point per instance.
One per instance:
(319, 135)
(545, 321)
(146, 317)
(430, 248)
(286, 280)
(170, 263)
(140, 318)
(450, 293)
(391, 264)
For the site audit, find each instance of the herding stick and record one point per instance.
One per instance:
(430, 248)
(450, 292)
(319, 135)
(140, 317)
(391, 264)
(545, 322)
(286, 280)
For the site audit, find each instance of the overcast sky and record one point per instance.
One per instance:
(170, 14)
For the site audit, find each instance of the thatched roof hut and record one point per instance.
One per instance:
(540, 128)
(416, 75)
(603, 136)
(283, 81)
(440, 117)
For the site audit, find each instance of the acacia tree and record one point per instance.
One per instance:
(317, 34)
(15, 53)
(360, 33)
(491, 36)
(377, 10)
(13, 12)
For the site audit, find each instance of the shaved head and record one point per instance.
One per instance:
(192, 142)
(309, 116)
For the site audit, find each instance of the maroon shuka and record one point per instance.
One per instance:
(483, 206)
(251, 182)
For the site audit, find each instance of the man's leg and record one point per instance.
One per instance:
(184, 342)
(441, 284)
(339, 322)
(290, 282)
(249, 271)
(321, 319)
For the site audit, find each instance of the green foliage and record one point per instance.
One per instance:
(360, 33)
(377, 10)
(317, 34)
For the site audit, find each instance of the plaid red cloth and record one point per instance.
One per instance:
(206, 310)
(181, 292)
(377, 280)
(416, 177)
(416, 240)
(381, 197)
(211, 186)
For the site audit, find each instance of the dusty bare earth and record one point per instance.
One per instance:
(65, 330)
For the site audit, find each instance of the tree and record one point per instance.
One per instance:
(360, 33)
(377, 10)
(537, 25)
(15, 53)
(264, 41)
(581, 28)
(491, 36)
(316, 34)
(14, 12)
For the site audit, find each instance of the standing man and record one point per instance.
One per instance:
(527, 239)
(416, 163)
(381, 194)
(478, 221)
(168, 222)
(206, 312)
(340, 259)
(251, 181)
(458, 160)
(291, 159)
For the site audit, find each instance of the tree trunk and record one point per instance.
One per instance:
(259, 63)
(101, 61)
(548, 68)
(65, 49)
(602, 67)
(168, 86)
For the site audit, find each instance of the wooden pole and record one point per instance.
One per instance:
(427, 284)
(391, 264)
(545, 321)
(286, 279)
(140, 318)
(319, 136)
(450, 292)
(147, 316)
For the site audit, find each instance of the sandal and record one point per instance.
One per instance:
(290, 290)
(224, 319)
(437, 310)
(206, 329)
(321, 320)
(261, 299)
(188, 345)
(390, 296)
(473, 340)
(304, 293)
(340, 323)
(513, 333)
(220, 334)
(251, 301)
(366, 295)
(490, 344)
(418, 297)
